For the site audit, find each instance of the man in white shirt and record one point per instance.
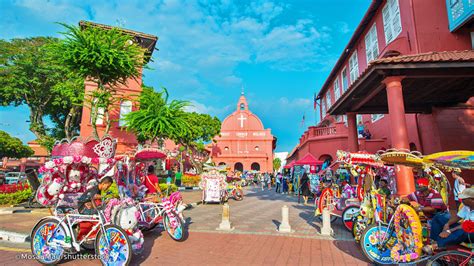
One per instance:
(447, 231)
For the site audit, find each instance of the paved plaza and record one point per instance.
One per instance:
(254, 241)
(260, 213)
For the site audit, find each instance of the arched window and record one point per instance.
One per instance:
(125, 108)
(257, 148)
(242, 106)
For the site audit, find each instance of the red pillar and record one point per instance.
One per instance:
(353, 137)
(398, 132)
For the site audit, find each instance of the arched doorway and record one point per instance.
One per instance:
(255, 166)
(222, 163)
(412, 146)
(238, 167)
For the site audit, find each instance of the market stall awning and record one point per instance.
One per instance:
(435, 79)
(308, 159)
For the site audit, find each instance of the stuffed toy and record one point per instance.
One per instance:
(124, 214)
(49, 193)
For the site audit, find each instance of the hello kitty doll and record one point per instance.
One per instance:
(128, 220)
(49, 193)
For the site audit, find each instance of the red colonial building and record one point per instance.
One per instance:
(244, 143)
(126, 142)
(406, 76)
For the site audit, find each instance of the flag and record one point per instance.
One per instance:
(302, 121)
(315, 101)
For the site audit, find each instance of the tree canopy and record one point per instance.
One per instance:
(31, 74)
(276, 164)
(13, 147)
(106, 56)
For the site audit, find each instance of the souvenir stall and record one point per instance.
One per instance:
(309, 165)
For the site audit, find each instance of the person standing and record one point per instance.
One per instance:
(262, 181)
(459, 186)
(178, 177)
(278, 183)
(305, 191)
(285, 184)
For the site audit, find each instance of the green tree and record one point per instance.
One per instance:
(203, 129)
(31, 74)
(13, 147)
(158, 118)
(276, 164)
(106, 56)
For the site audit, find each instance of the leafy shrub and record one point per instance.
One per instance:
(171, 188)
(15, 197)
(190, 180)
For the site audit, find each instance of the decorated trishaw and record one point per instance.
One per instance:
(400, 240)
(77, 166)
(213, 184)
(152, 209)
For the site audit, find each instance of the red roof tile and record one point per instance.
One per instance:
(431, 57)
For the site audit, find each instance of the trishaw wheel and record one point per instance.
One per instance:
(179, 231)
(238, 195)
(113, 248)
(451, 258)
(44, 230)
(348, 215)
(370, 243)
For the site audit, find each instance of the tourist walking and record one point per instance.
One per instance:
(305, 191)
(262, 181)
(278, 183)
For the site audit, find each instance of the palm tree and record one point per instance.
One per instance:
(158, 119)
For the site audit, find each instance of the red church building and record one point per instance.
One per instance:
(407, 77)
(244, 144)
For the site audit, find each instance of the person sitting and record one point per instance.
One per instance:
(430, 200)
(86, 206)
(152, 185)
(446, 230)
(366, 134)
(383, 188)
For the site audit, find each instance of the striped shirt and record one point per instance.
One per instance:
(433, 199)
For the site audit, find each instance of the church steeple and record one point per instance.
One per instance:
(242, 104)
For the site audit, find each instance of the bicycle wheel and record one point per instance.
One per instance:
(374, 250)
(114, 248)
(238, 195)
(176, 232)
(451, 257)
(348, 216)
(42, 236)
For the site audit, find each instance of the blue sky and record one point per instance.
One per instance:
(280, 51)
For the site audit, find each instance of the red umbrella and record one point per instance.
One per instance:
(149, 154)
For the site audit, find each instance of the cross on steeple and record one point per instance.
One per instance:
(242, 118)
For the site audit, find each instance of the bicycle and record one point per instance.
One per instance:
(233, 190)
(54, 236)
(168, 212)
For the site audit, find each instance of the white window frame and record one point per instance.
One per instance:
(353, 67)
(125, 108)
(337, 90)
(392, 23)
(100, 116)
(323, 107)
(344, 78)
(376, 117)
(359, 119)
(371, 44)
(328, 99)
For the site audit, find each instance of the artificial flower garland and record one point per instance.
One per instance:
(416, 228)
(54, 165)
